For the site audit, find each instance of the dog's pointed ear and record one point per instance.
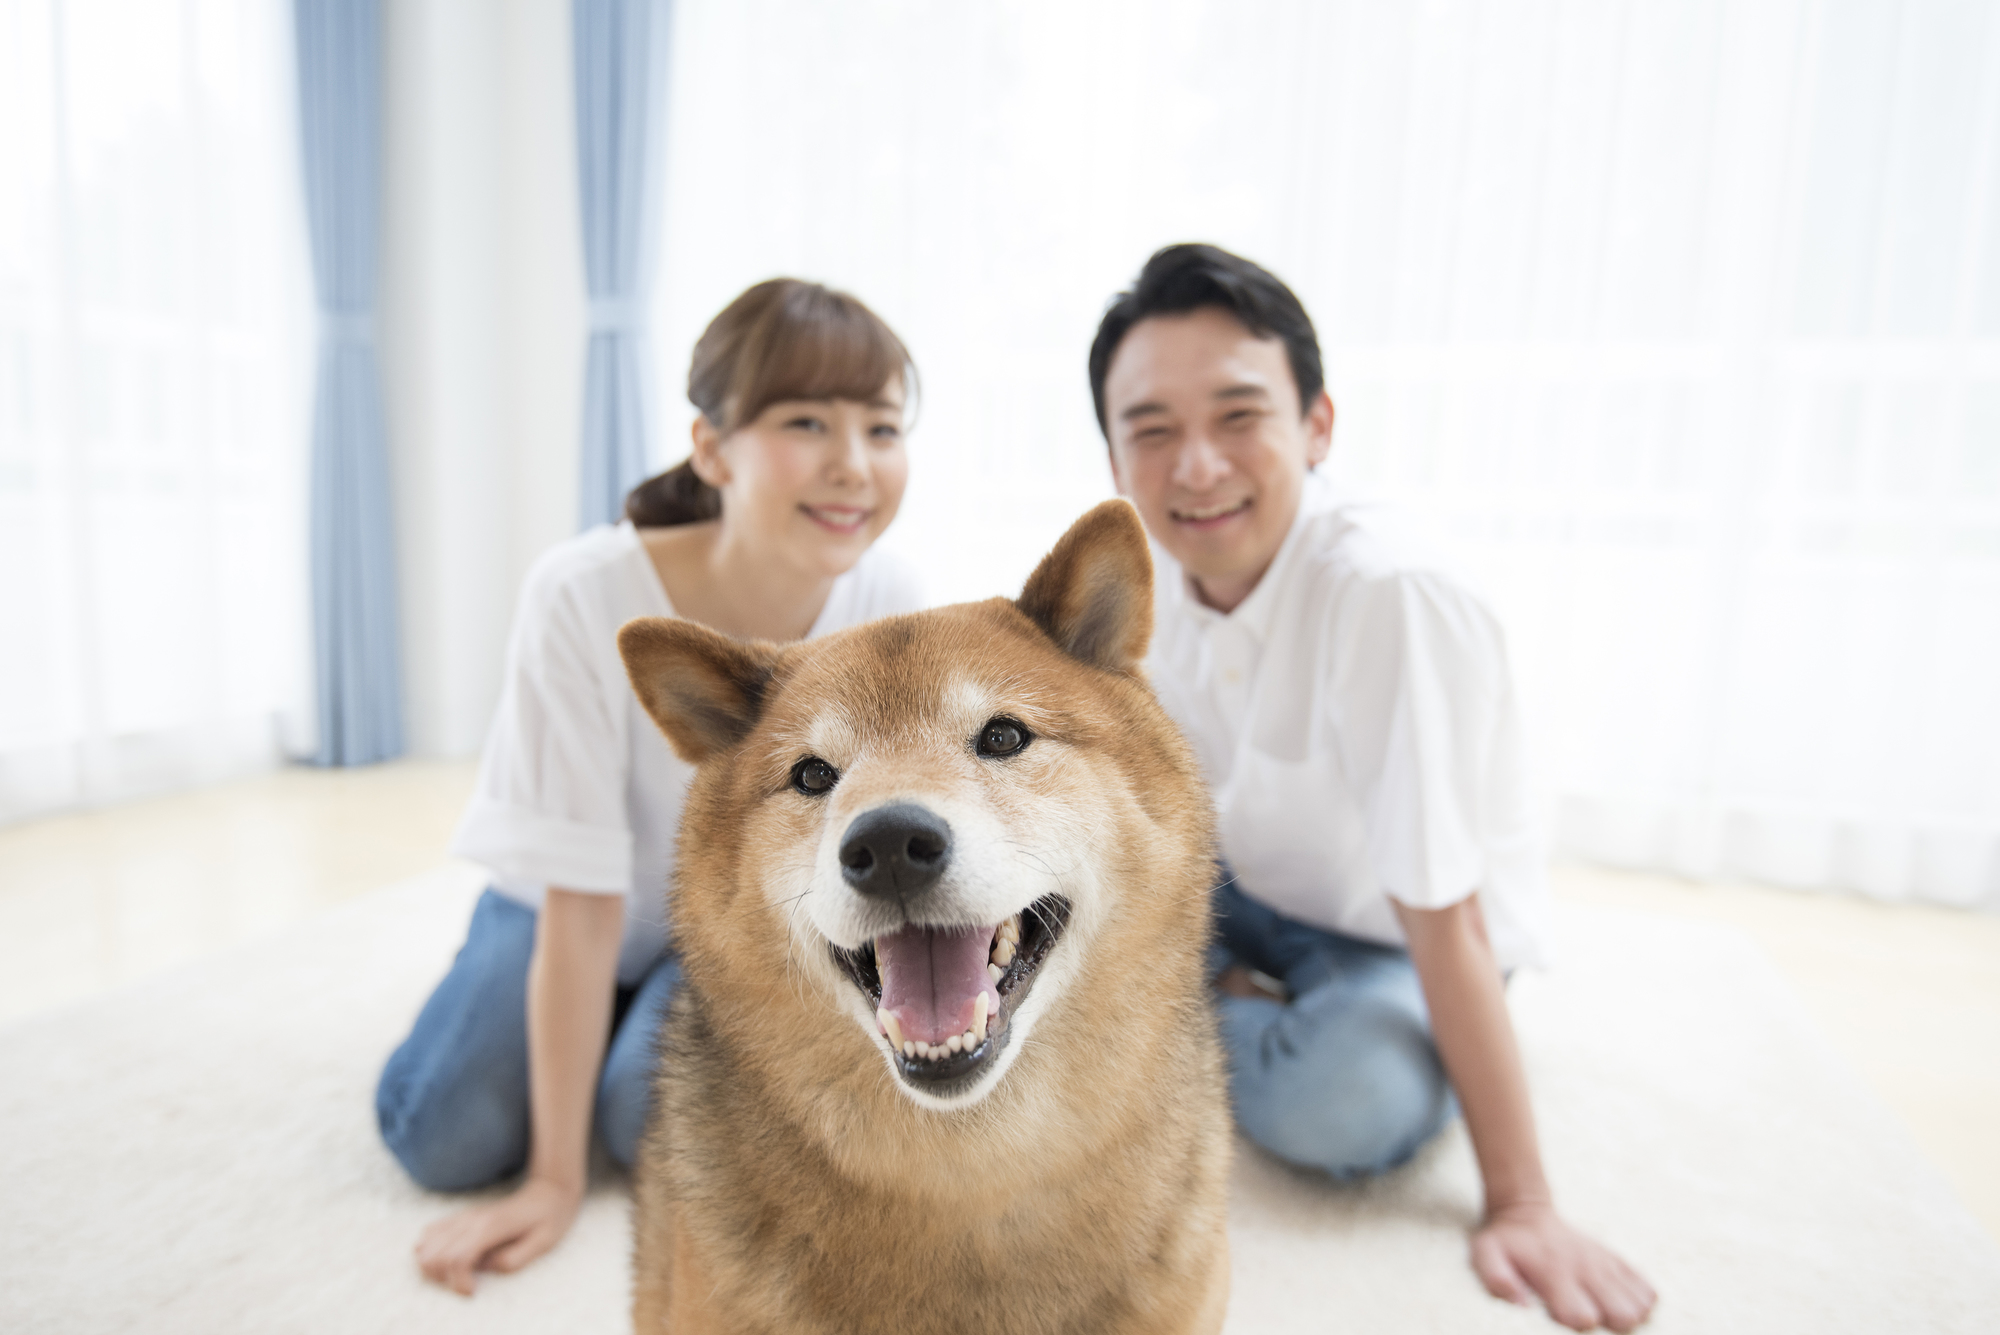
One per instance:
(1093, 592)
(702, 688)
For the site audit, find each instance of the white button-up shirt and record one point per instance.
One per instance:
(1357, 725)
(577, 788)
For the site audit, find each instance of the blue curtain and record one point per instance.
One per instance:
(619, 58)
(353, 557)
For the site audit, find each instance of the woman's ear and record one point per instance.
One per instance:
(703, 689)
(706, 458)
(1093, 592)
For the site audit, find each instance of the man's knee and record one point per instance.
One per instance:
(466, 1138)
(1351, 1099)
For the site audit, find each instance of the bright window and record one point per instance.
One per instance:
(1681, 319)
(154, 325)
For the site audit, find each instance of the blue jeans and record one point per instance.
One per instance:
(453, 1101)
(1343, 1077)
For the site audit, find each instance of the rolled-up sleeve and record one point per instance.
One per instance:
(1425, 717)
(549, 808)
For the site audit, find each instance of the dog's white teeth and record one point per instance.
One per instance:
(916, 1048)
(890, 1026)
(1006, 944)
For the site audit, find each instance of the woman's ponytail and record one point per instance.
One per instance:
(677, 496)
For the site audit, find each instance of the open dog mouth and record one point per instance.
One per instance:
(943, 996)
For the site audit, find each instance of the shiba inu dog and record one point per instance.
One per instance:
(943, 1057)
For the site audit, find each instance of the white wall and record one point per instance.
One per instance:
(483, 322)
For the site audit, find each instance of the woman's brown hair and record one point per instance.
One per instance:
(782, 339)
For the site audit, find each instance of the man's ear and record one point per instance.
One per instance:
(1093, 592)
(702, 688)
(1319, 430)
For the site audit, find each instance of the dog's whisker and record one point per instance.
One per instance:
(1029, 854)
(795, 963)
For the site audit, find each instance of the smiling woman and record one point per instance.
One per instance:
(764, 533)
(798, 462)
(781, 340)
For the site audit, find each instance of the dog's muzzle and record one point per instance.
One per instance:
(942, 991)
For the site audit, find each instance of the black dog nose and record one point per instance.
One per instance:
(895, 851)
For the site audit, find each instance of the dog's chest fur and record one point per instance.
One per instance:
(1112, 1236)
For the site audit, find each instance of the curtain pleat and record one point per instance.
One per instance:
(618, 72)
(353, 558)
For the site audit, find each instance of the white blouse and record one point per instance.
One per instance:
(577, 788)
(1357, 724)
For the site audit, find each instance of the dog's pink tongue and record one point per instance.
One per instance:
(931, 979)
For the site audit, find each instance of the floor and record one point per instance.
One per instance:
(101, 898)
(1909, 997)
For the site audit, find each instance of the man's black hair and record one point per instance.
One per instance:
(1191, 276)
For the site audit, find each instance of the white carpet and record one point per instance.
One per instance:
(198, 1154)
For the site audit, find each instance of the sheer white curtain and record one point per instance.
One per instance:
(1681, 319)
(153, 323)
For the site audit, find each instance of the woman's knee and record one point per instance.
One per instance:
(625, 1093)
(452, 1103)
(456, 1139)
(1351, 1100)
(623, 1100)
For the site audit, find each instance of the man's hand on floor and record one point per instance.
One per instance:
(1527, 1251)
(501, 1235)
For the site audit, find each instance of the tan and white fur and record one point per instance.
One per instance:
(869, 807)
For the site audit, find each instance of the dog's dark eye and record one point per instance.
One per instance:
(814, 777)
(1002, 737)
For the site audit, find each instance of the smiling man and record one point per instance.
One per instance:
(1353, 712)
